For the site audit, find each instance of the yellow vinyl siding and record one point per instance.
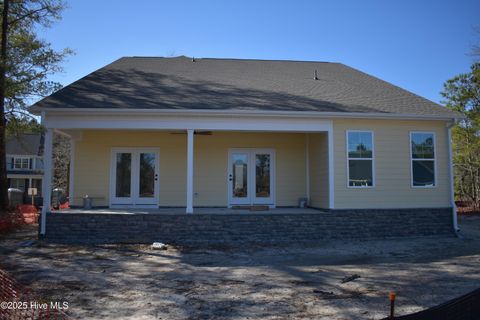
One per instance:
(93, 152)
(318, 163)
(392, 166)
(211, 160)
(93, 155)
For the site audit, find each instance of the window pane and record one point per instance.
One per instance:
(124, 166)
(360, 145)
(422, 146)
(262, 177)
(423, 173)
(360, 173)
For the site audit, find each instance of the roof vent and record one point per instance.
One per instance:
(315, 75)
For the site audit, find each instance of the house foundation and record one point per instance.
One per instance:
(264, 228)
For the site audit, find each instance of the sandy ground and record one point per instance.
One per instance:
(136, 282)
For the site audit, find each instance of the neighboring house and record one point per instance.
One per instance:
(25, 162)
(183, 132)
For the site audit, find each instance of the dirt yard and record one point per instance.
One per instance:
(121, 282)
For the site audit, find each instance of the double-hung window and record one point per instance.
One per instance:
(360, 159)
(422, 151)
(21, 163)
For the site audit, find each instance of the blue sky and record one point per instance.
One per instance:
(416, 45)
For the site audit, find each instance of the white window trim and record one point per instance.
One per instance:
(20, 157)
(372, 159)
(434, 160)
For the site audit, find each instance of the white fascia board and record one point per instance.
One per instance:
(235, 113)
(185, 122)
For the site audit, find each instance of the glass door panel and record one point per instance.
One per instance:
(264, 172)
(239, 180)
(147, 175)
(146, 178)
(123, 186)
(262, 175)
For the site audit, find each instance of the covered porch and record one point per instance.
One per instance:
(151, 169)
(217, 164)
(193, 161)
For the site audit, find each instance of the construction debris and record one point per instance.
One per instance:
(159, 246)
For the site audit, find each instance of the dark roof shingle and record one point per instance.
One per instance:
(234, 84)
(25, 144)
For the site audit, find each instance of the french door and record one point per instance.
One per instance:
(251, 176)
(134, 177)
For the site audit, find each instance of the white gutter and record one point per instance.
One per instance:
(239, 113)
(456, 229)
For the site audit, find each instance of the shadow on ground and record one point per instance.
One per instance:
(134, 281)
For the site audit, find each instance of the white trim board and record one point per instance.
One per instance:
(240, 113)
(186, 122)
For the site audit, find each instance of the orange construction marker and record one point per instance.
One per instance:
(391, 297)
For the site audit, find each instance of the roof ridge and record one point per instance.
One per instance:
(217, 58)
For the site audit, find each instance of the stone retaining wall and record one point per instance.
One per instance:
(262, 227)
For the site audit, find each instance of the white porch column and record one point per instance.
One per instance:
(190, 133)
(331, 169)
(71, 181)
(307, 167)
(47, 178)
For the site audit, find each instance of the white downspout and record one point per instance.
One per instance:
(456, 230)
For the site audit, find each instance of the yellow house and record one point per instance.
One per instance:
(204, 133)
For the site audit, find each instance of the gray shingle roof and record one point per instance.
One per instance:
(233, 84)
(24, 144)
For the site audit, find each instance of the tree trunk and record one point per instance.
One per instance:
(3, 156)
